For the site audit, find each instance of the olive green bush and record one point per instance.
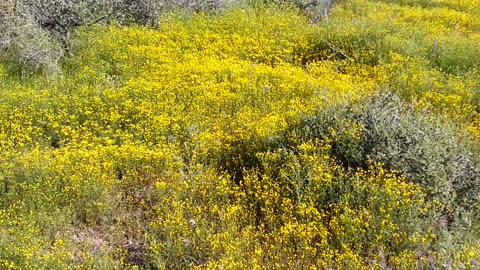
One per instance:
(24, 40)
(425, 150)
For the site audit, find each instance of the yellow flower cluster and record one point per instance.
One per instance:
(173, 148)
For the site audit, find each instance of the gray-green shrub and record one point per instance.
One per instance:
(425, 150)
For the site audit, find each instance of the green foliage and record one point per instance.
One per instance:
(23, 41)
(457, 56)
(422, 149)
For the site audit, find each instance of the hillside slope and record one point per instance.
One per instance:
(249, 138)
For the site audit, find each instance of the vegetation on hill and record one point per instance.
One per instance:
(235, 135)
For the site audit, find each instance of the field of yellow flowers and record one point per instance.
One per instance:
(250, 138)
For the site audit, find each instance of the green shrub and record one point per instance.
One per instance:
(24, 41)
(424, 150)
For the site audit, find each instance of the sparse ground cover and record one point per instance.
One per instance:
(263, 136)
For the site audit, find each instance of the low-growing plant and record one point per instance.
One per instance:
(425, 151)
(24, 41)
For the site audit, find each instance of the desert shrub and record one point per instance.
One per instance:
(62, 16)
(24, 41)
(424, 151)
